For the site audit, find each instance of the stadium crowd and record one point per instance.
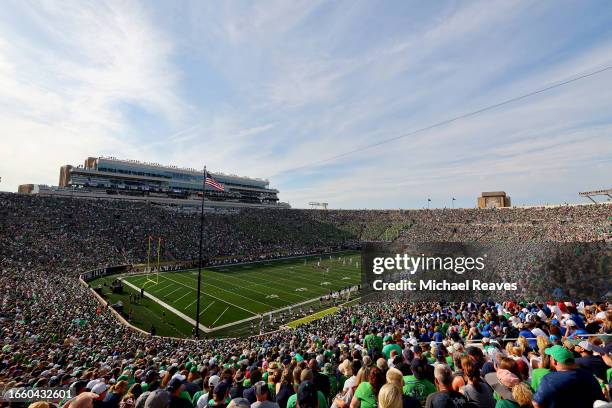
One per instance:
(377, 354)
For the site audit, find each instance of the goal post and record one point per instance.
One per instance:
(152, 273)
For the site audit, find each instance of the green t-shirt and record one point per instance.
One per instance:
(450, 362)
(506, 404)
(387, 350)
(372, 341)
(333, 384)
(227, 400)
(322, 402)
(185, 395)
(365, 394)
(536, 377)
(418, 389)
(608, 374)
(196, 397)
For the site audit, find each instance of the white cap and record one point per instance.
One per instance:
(214, 380)
(179, 376)
(100, 388)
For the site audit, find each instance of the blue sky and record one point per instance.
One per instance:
(262, 88)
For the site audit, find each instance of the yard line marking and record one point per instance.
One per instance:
(214, 297)
(305, 281)
(175, 290)
(192, 303)
(332, 276)
(181, 297)
(160, 291)
(218, 279)
(170, 308)
(209, 305)
(212, 325)
(232, 293)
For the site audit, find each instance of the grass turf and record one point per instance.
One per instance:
(310, 318)
(235, 292)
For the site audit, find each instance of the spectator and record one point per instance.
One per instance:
(445, 397)
(262, 393)
(566, 386)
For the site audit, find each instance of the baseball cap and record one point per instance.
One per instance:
(222, 388)
(502, 382)
(92, 384)
(417, 367)
(307, 394)
(559, 353)
(151, 375)
(175, 383)
(78, 386)
(586, 345)
(213, 381)
(100, 388)
(158, 399)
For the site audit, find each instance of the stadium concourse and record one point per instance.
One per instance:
(388, 355)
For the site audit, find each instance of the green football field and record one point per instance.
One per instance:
(237, 292)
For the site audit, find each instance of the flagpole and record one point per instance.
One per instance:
(197, 319)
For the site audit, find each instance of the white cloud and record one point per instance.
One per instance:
(66, 76)
(277, 85)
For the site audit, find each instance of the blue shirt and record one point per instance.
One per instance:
(568, 389)
(529, 335)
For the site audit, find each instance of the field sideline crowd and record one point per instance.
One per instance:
(393, 354)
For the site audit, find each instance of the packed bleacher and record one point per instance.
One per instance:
(388, 355)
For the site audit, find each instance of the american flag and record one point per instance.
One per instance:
(214, 184)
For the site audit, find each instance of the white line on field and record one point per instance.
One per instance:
(181, 297)
(167, 306)
(219, 317)
(175, 290)
(214, 297)
(209, 305)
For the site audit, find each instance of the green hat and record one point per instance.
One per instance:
(387, 338)
(298, 357)
(559, 353)
(193, 369)
(188, 365)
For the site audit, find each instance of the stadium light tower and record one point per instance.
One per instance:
(453, 202)
(428, 201)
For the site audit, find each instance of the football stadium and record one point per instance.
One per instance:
(305, 204)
